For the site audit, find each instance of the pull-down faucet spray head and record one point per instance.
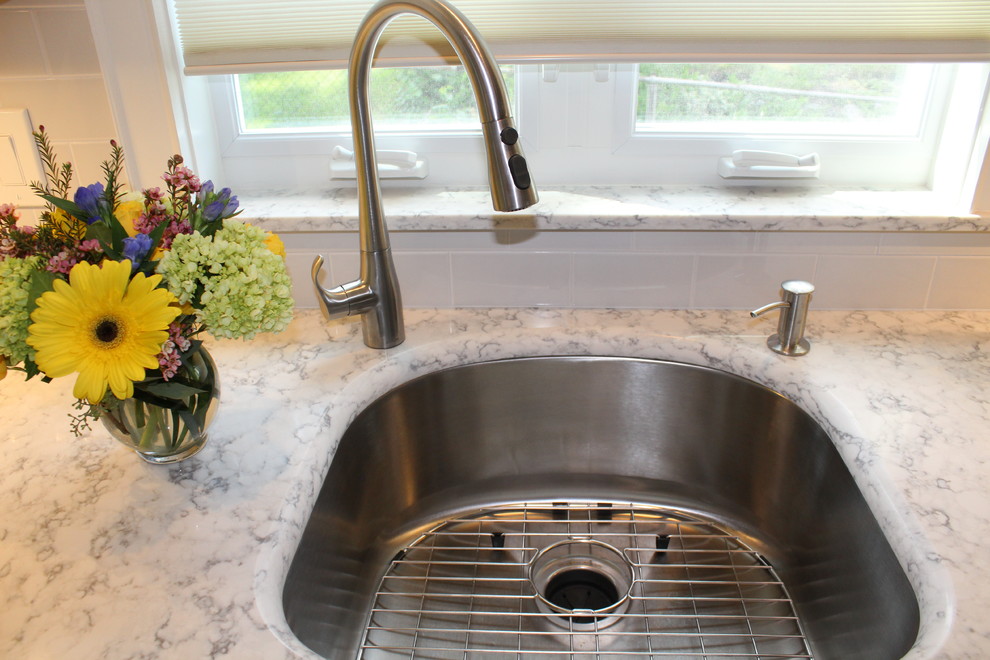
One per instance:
(508, 173)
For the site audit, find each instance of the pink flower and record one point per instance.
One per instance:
(61, 263)
(169, 359)
(173, 230)
(145, 224)
(9, 211)
(183, 177)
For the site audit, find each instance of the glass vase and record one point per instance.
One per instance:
(166, 422)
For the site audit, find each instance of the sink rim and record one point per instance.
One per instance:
(928, 578)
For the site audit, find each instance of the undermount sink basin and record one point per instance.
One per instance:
(582, 507)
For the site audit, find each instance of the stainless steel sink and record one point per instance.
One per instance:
(593, 507)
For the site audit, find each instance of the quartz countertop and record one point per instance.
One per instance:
(104, 556)
(621, 208)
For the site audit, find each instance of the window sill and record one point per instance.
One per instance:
(622, 208)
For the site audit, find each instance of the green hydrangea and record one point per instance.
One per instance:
(15, 282)
(236, 284)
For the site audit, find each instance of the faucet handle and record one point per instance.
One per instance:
(789, 339)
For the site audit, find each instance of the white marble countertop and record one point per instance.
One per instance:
(620, 208)
(103, 556)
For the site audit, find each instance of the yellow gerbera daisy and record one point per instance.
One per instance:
(104, 325)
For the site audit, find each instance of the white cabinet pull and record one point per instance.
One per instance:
(749, 164)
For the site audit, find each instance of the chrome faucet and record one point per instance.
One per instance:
(375, 295)
(789, 339)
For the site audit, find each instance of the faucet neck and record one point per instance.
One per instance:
(508, 174)
(376, 295)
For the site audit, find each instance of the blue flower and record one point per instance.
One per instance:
(136, 248)
(220, 206)
(90, 200)
(205, 191)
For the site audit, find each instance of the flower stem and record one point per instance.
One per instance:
(151, 428)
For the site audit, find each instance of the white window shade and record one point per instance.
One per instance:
(238, 36)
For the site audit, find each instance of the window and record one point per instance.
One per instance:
(425, 99)
(876, 124)
(840, 99)
(854, 95)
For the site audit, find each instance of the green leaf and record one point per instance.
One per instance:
(30, 369)
(104, 235)
(100, 232)
(65, 205)
(177, 406)
(173, 390)
(117, 234)
(161, 402)
(41, 282)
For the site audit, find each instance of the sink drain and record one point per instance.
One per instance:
(581, 590)
(583, 582)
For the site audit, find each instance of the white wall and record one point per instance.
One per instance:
(49, 65)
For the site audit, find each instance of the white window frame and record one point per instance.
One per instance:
(577, 123)
(881, 161)
(183, 120)
(259, 159)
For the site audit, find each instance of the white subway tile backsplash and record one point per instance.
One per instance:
(75, 54)
(21, 52)
(514, 240)
(823, 242)
(561, 241)
(34, 4)
(948, 243)
(875, 282)
(960, 283)
(75, 108)
(86, 158)
(341, 267)
(661, 281)
(326, 241)
(511, 279)
(443, 240)
(424, 278)
(695, 242)
(302, 288)
(746, 281)
(845, 270)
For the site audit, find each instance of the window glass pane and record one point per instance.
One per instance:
(410, 98)
(815, 98)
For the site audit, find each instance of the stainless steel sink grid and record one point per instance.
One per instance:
(741, 471)
(467, 589)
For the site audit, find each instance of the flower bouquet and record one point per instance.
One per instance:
(118, 287)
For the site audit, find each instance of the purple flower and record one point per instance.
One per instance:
(90, 200)
(136, 248)
(219, 206)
